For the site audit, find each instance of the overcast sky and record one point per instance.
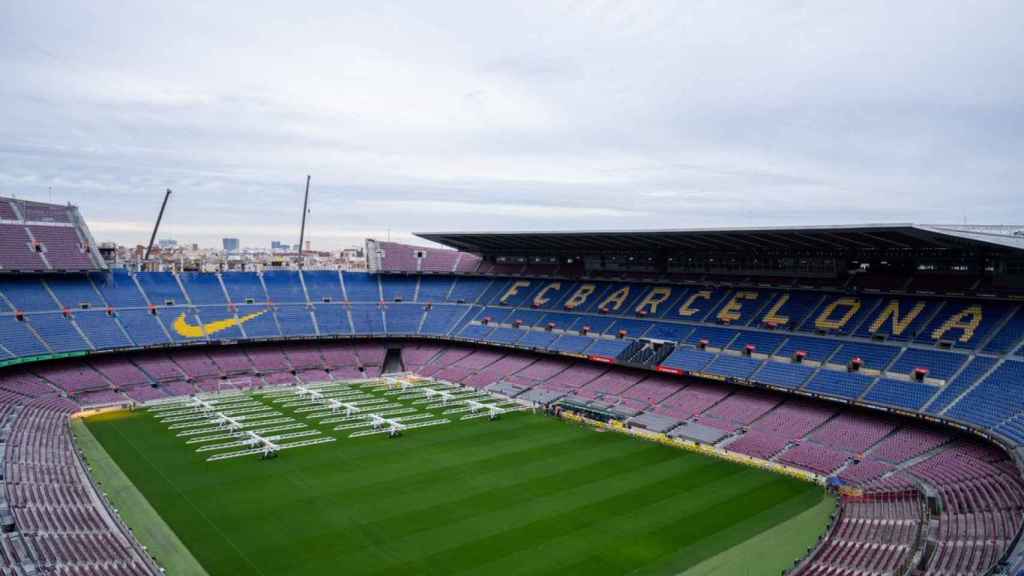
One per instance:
(426, 116)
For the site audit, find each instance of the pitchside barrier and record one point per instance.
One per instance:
(704, 449)
(93, 411)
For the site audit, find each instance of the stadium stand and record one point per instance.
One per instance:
(37, 237)
(115, 310)
(568, 337)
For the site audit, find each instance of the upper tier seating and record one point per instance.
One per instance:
(62, 247)
(37, 237)
(243, 287)
(795, 339)
(17, 250)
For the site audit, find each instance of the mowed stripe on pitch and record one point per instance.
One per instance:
(677, 526)
(365, 529)
(392, 510)
(537, 520)
(524, 495)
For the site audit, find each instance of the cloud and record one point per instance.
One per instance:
(493, 209)
(456, 115)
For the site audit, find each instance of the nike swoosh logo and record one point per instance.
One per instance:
(183, 328)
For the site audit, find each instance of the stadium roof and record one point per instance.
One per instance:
(856, 238)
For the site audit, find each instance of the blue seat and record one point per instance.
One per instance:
(537, 339)
(596, 324)
(202, 288)
(395, 287)
(18, 339)
(57, 331)
(843, 384)
(608, 348)
(468, 290)
(1014, 430)
(442, 318)
(493, 313)
(874, 356)
(367, 319)
(998, 397)
(527, 316)
(992, 313)
(1009, 336)
(560, 320)
(633, 328)
(142, 327)
(793, 312)
(403, 318)
(75, 292)
(505, 335)
(476, 331)
(284, 286)
(161, 288)
(28, 295)
(435, 288)
(974, 370)
(817, 349)
(900, 393)
(101, 329)
(940, 364)
(571, 343)
(668, 331)
(740, 367)
(168, 317)
(816, 320)
(763, 342)
(894, 325)
(118, 289)
(783, 374)
(332, 319)
(688, 359)
(295, 320)
(208, 315)
(243, 287)
(716, 336)
(262, 326)
(324, 286)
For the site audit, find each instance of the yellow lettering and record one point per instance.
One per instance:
(656, 296)
(731, 311)
(687, 308)
(773, 316)
(892, 311)
(514, 289)
(541, 298)
(617, 298)
(580, 296)
(967, 320)
(825, 320)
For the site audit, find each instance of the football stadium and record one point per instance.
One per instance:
(828, 400)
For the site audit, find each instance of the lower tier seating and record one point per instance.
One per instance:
(60, 529)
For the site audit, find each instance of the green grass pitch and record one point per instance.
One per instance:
(527, 494)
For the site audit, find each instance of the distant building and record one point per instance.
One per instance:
(278, 246)
(231, 244)
(108, 250)
(167, 243)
